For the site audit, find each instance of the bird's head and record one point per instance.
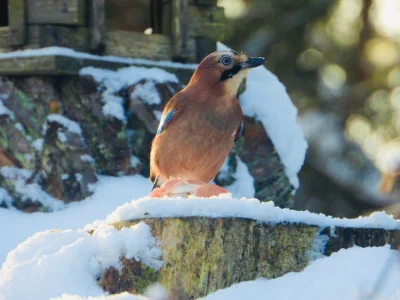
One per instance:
(224, 71)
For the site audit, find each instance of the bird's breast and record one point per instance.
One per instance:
(197, 145)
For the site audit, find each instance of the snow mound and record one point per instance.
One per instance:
(52, 263)
(266, 99)
(346, 275)
(109, 193)
(225, 206)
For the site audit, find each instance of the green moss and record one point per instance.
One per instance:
(121, 135)
(143, 279)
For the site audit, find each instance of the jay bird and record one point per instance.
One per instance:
(199, 126)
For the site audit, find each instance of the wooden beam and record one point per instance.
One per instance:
(4, 37)
(68, 12)
(203, 2)
(17, 22)
(97, 25)
(156, 15)
(138, 45)
(209, 23)
(74, 37)
(176, 33)
(61, 65)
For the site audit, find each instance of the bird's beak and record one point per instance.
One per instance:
(253, 62)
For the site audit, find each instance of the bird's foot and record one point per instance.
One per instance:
(177, 187)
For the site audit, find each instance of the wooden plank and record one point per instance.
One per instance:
(138, 45)
(209, 23)
(73, 37)
(17, 22)
(27, 65)
(129, 15)
(70, 66)
(203, 2)
(70, 12)
(176, 29)
(4, 37)
(156, 15)
(97, 25)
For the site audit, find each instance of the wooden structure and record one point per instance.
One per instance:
(182, 30)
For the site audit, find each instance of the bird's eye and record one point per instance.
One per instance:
(226, 60)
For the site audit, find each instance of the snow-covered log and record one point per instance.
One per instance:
(206, 252)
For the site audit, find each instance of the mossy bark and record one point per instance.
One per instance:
(202, 255)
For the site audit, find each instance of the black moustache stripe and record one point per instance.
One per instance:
(230, 73)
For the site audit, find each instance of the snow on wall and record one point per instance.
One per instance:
(114, 81)
(226, 206)
(5, 111)
(61, 51)
(31, 191)
(70, 261)
(266, 99)
(70, 125)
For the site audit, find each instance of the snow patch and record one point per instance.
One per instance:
(61, 136)
(87, 158)
(134, 161)
(243, 186)
(5, 111)
(78, 257)
(266, 99)
(147, 92)
(70, 125)
(318, 246)
(19, 127)
(38, 144)
(114, 81)
(157, 114)
(30, 191)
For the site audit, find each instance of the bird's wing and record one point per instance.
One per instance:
(239, 131)
(171, 111)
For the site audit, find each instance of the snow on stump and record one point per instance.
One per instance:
(209, 249)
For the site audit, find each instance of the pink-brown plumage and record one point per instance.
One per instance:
(207, 116)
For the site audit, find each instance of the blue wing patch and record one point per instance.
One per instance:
(164, 121)
(239, 132)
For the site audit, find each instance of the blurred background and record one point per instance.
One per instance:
(339, 60)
